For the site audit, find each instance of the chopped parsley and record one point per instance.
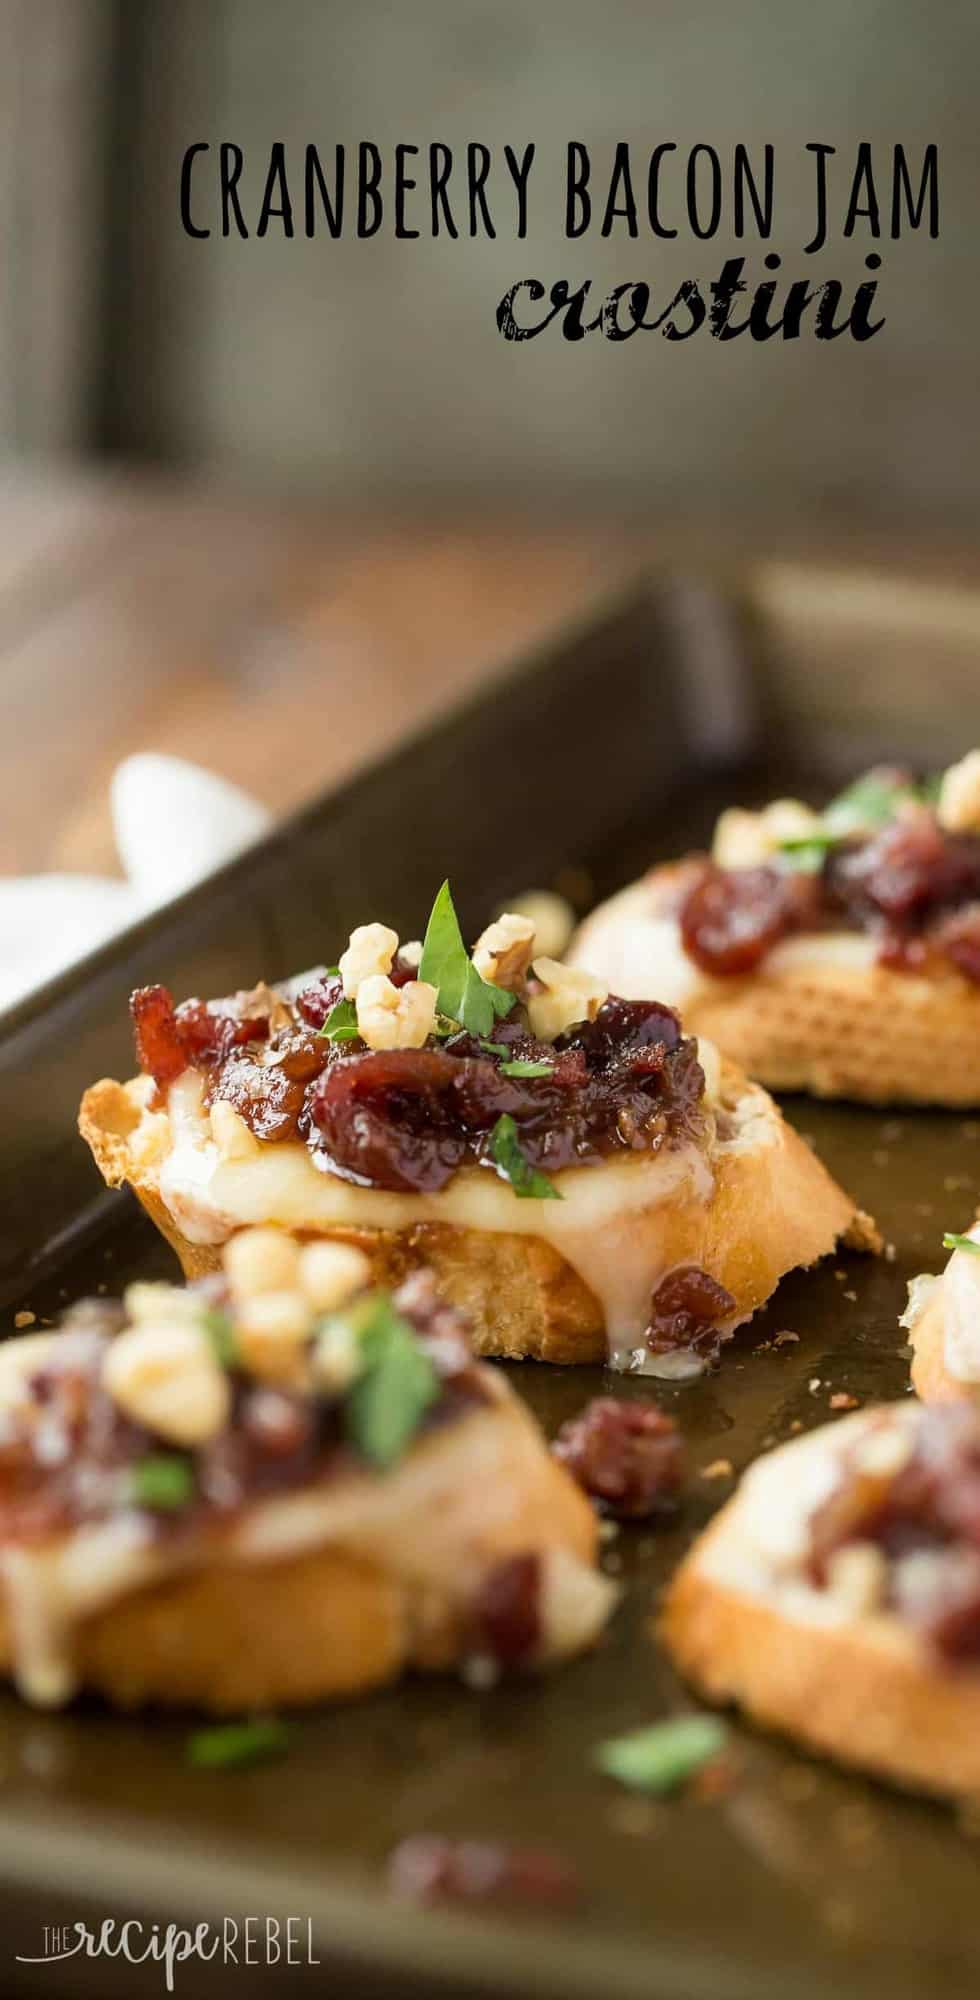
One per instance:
(162, 1481)
(951, 1242)
(221, 1334)
(511, 1165)
(231, 1744)
(664, 1756)
(870, 803)
(446, 965)
(395, 1387)
(341, 1023)
(517, 1066)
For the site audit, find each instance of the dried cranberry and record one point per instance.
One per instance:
(685, 1310)
(959, 939)
(507, 1614)
(730, 918)
(386, 1118)
(629, 1457)
(316, 1001)
(430, 1868)
(906, 873)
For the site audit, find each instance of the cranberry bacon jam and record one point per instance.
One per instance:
(942, 1320)
(837, 952)
(277, 1485)
(837, 1594)
(587, 1181)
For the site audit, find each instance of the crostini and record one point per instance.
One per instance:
(276, 1487)
(586, 1182)
(834, 952)
(942, 1320)
(837, 1595)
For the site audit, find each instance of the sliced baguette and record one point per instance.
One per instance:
(819, 1014)
(772, 1207)
(864, 1690)
(313, 1595)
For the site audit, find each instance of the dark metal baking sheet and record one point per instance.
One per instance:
(611, 752)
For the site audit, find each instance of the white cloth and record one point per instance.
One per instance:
(173, 824)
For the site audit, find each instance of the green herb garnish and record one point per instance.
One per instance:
(863, 807)
(341, 1023)
(446, 964)
(236, 1743)
(661, 1758)
(518, 1066)
(951, 1242)
(221, 1334)
(396, 1385)
(162, 1481)
(511, 1165)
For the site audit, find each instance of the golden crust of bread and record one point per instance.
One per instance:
(867, 1033)
(865, 1691)
(236, 1635)
(774, 1208)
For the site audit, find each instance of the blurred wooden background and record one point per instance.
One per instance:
(285, 645)
(373, 370)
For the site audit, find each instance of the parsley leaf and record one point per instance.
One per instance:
(341, 1023)
(519, 1066)
(446, 964)
(807, 855)
(513, 1167)
(951, 1242)
(396, 1385)
(231, 1743)
(662, 1757)
(161, 1481)
(221, 1334)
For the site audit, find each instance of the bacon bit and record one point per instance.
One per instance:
(428, 1868)
(714, 1781)
(720, 1468)
(508, 1611)
(840, 1400)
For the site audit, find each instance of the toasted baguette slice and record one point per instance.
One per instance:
(323, 1591)
(943, 1324)
(562, 1281)
(819, 1015)
(744, 1625)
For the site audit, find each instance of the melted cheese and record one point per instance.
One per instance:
(639, 951)
(961, 1303)
(764, 1546)
(455, 1503)
(612, 1224)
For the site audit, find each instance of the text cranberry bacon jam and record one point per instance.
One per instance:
(891, 858)
(279, 1407)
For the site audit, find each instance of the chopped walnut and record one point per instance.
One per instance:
(331, 1273)
(261, 1260)
(959, 796)
(165, 1377)
(371, 950)
(395, 1017)
(230, 1133)
(502, 953)
(552, 917)
(570, 995)
(748, 839)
